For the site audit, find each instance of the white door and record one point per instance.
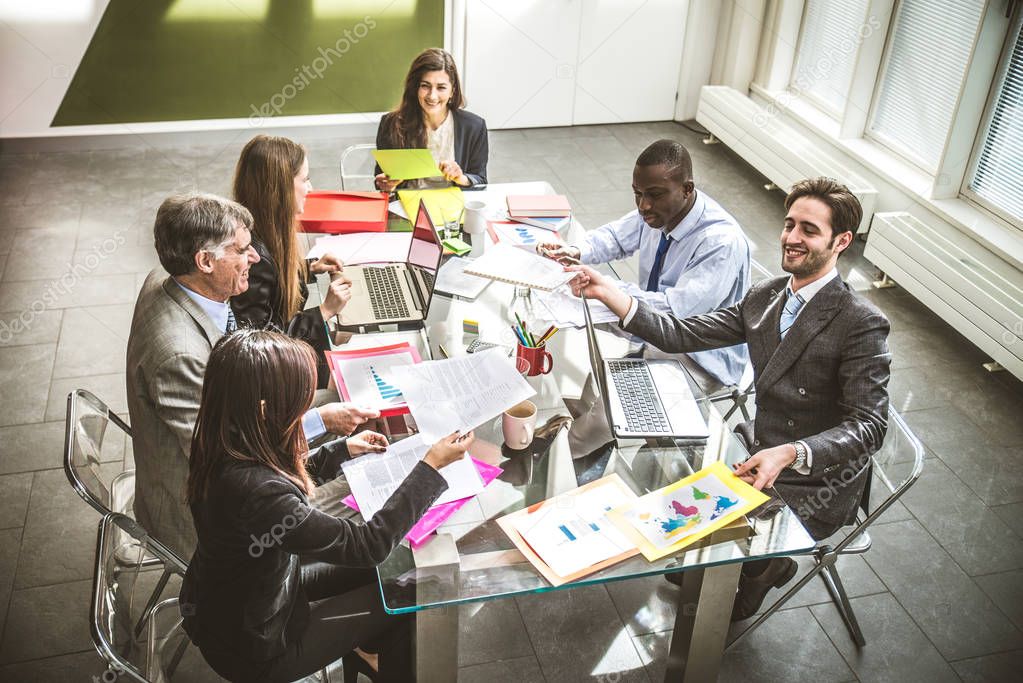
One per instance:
(630, 53)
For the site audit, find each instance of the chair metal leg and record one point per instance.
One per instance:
(153, 599)
(837, 590)
(179, 652)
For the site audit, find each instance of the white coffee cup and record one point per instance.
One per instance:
(475, 220)
(518, 424)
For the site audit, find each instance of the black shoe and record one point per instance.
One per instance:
(353, 665)
(753, 589)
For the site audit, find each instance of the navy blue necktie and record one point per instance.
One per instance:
(655, 271)
(232, 324)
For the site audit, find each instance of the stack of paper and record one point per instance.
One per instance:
(520, 267)
(564, 310)
(451, 279)
(364, 376)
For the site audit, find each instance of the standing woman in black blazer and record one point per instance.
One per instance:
(272, 181)
(276, 589)
(431, 115)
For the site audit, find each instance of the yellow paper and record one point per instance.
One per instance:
(667, 520)
(441, 204)
(407, 164)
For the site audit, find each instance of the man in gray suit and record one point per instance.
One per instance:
(204, 244)
(821, 368)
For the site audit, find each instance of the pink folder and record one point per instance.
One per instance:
(438, 514)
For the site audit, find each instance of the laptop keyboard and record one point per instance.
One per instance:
(635, 388)
(385, 295)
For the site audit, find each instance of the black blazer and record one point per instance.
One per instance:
(261, 306)
(825, 384)
(242, 595)
(471, 145)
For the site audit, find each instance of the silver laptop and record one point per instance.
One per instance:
(644, 398)
(395, 293)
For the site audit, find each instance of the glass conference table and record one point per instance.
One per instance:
(472, 560)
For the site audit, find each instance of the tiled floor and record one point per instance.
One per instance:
(939, 594)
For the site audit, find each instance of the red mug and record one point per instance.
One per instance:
(540, 362)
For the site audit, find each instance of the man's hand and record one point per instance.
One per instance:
(366, 442)
(328, 263)
(343, 418)
(763, 468)
(384, 182)
(593, 285)
(562, 253)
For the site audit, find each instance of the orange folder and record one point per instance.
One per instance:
(340, 212)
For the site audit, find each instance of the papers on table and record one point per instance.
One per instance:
(451, 279)
(406, 164)
(569, 536)
(565, 310)
(375, 477)
(460, 393)
(363, 376)
(520, 235)
(364, 247)
(519, 267)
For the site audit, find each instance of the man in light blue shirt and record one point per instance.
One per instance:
(693, 256)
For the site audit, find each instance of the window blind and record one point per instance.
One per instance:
(998, 173)
(929, 48)
(828, 41)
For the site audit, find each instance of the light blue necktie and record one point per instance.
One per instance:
(789, 313)
(655, 271)
(232, 324)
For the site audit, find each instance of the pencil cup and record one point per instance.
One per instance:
(540, 362)
(518, 424)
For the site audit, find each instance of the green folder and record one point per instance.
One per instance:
(406, 164)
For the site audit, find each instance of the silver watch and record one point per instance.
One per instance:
(800, 460)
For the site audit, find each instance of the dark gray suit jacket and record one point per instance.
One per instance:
(825, 384)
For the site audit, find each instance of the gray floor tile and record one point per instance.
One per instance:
(1006, 591)
(519, 670)
(944, 602)
(554, 622)
(3, 264)
(24, 374)
(646, 605)
(490, 631)
(994, 473)
(939, 427)
(116, 255)
(93, 340)
(59, 543)
(896, 650)
(857, 577)
(10, 541)
(68, 291)
(973, 535)
(60, 215)
(108, 388)
(28, 327)
(1000, 668)
(39, 254)
(86, 666)
(1012, 515)
(14, 493)
(25, 448)
(50, 621)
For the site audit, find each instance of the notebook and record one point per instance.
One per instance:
(515, 266)
(538, 205)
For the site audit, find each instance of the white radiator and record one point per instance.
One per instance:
(774, 148)
(971, 288)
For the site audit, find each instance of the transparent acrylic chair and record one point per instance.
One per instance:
(357, 167)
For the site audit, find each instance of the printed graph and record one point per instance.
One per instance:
(387, 391)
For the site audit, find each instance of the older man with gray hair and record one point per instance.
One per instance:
(204, 245)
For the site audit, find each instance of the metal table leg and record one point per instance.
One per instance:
(701, 623)
(437, 644)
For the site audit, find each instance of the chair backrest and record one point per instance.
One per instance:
(357, 167)
(899, 461)
(89, 442)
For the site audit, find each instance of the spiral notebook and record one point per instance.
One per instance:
(506, 263)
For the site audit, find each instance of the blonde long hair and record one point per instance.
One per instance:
(264, 183)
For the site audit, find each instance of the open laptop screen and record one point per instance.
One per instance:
(425, 249)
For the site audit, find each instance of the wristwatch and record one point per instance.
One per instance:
(800, 460)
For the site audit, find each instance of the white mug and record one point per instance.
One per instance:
(518, 424)
(475, 220)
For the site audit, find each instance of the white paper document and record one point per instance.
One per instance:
(460, 393)
(451, 279)
(565, 310)
(364, 247)
(507, 263)
(576, 535)
(373, 478)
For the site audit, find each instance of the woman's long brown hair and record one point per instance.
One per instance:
(264, 183)
(407, 128)
(257, 386)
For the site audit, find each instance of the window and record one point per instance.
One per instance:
(928, 51)
(996, 178)
(828, 40)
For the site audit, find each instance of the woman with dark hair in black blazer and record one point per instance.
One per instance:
(276, 589)
(431, 116)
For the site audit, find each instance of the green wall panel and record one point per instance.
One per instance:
(174, 60)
